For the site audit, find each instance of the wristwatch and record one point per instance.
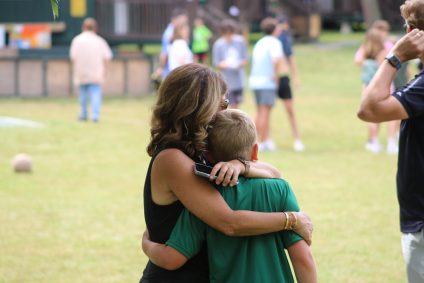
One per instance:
(394, 61)
(246, 164)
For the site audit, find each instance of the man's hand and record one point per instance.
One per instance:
(304, 226)
(410, 46)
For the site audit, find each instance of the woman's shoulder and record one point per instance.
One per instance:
(172, 156)
(170, 153)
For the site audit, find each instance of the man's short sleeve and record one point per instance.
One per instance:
(289, 203)
(188, 235)
(107, 52)
(412, 96)
(276, 49)
(287, 42)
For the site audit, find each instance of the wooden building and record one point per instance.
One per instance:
(141, 21)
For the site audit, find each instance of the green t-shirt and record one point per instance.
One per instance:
(201, 36)
(242, 259)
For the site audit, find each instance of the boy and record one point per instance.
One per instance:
(240, 259)
(229, 54)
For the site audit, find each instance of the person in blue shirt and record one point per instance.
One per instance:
(284, 85)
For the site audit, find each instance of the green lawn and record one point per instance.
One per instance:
(79, 216)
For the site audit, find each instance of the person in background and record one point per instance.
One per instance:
(381, 27)
(89, 54)
(379, 104)
(229, 256)
(284, 85)
(200, 43)
(229, 55)
(178, 17)
(179, 52)
(267, 56)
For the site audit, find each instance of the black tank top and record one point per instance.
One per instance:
(160, 220)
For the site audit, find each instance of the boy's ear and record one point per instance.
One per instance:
(255, 149)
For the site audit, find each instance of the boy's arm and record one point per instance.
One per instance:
(161, 254)
(303, 262)
(185, 241)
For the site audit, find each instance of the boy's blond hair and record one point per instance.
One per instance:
(231, 135)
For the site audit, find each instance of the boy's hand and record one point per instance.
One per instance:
(304, 226)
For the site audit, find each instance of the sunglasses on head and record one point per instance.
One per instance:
(224, 104)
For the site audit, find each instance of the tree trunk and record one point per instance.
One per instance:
(371, 11)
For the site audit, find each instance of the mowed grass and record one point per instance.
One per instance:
(79, 216)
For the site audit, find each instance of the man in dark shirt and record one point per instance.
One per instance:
(284, 81)
(406, 104)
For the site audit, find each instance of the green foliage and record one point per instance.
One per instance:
(79, 216)
(55, 8)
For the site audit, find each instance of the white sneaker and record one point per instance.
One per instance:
(298, 146)
(392, 147)
(270, 145)
(373, 146)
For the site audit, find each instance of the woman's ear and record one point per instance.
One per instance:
(255, 149)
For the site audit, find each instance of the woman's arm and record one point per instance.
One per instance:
(175, 169)
(229, 171)
(303, 262)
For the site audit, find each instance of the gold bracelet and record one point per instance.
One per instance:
(290, 221)
(286, 224)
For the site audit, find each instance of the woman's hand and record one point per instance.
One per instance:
(304, 226)
(228, 172)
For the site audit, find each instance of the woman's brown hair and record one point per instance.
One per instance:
(187, 101)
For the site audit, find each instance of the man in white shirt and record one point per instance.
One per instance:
(266, 58)
(89, 54)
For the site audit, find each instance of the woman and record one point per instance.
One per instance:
(374, 51)
(179, 52)
(188, 99)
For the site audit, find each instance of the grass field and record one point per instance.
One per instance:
(79, 217)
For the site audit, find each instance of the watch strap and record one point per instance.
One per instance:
(246, 164)
(394, 61)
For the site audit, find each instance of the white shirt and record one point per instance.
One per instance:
(265, 53)
(89, 53)
(179, 54)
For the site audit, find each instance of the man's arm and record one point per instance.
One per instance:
(378, 105)
(303, 262)
(162, 255)
(293, 71)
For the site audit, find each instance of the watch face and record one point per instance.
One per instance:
(394, 61)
